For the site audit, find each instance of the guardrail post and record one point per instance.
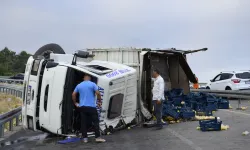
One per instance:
(17, 121)
(11, 125)
(1, 130)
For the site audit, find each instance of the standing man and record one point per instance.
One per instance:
(87, 106)
(158, 97)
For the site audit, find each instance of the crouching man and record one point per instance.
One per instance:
(87, 106)
(158, 97)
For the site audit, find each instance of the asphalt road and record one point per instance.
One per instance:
(182, 136)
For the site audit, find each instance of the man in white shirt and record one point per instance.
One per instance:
(158, 96)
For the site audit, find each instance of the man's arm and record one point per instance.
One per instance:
(98, 94)
(74, 95)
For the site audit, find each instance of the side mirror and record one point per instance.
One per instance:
(212, 80)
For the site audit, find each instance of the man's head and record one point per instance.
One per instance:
(156, 73)
(86, 77)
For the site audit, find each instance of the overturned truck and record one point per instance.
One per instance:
(171, 62)
(122, 75)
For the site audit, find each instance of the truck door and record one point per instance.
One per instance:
(142, 85)
(26, 83)
(45, 97)
(31, 98)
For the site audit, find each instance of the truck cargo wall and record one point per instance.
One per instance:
(177, 75)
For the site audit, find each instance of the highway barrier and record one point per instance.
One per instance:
(8, 118)
(12, 115)
(11, 81)
(12, 90)
(244, 94)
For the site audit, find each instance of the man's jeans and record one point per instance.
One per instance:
(158, 112)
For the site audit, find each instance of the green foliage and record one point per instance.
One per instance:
(12, 63)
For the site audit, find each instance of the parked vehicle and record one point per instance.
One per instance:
(230, 80)
(50, 78)
(19, 76)
(171, 62)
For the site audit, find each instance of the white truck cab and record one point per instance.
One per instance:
(50, 78)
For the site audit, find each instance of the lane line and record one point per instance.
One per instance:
(185, 140)
(237, 112)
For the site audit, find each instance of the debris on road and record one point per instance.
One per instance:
(200, 106)
(245, 133)
(243, 108)
(212, 125)
(190, 106)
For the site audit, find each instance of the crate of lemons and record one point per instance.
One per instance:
(7, 103)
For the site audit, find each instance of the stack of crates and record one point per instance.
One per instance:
(210, 125)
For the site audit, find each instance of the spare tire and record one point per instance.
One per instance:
(55, 48)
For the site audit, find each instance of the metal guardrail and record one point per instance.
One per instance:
(11, 81)
(8, 118)
(13, 114)
(12, 90)
(226, 93)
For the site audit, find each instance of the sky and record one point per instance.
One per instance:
(220, 25)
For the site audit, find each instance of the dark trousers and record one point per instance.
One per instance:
(158, 112)
(89, 113)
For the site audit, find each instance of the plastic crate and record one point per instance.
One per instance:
(223, 105)
(188, 115)
(212, 100)
(211, 107)
(176, 92)
(210, 125)
(170, 111)
(177, 100)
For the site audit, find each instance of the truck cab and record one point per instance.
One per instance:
(50, 79)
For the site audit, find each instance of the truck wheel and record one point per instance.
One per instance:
(55, 48)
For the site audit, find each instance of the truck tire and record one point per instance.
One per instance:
(55, 48)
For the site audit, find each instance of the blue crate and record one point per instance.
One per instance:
(188, 115)
(177, 100)
(210, 125)
(211, 107)
(211, 100)
(170, 111)
(223, 105)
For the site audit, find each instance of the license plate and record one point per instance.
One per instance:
(247, 82)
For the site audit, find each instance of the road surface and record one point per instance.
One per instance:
(182, 136)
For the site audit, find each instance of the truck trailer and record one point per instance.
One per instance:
(171, 62)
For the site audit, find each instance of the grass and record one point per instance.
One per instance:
(8, 102)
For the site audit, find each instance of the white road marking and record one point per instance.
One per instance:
(185, 140)
(237, 112)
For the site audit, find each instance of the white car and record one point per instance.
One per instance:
(230, 80)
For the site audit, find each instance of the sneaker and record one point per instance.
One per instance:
(100, 140)
(85, 140)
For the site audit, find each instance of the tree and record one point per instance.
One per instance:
(11, 63)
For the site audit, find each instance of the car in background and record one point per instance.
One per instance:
(19, 76)
(230, 80)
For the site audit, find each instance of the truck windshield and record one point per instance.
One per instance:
(244, 75)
